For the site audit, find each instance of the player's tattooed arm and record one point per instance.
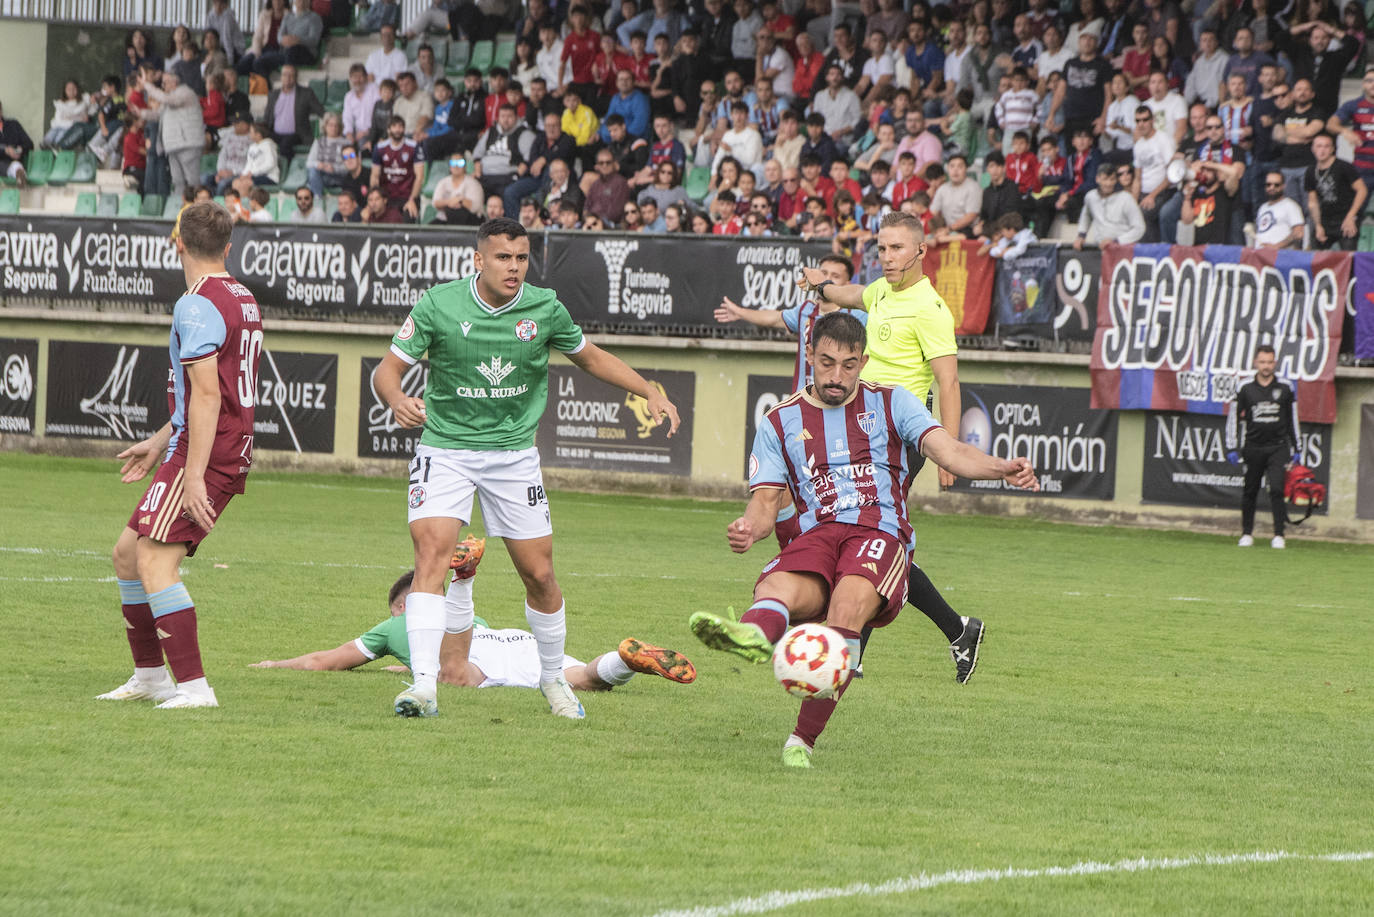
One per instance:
(758, 519)
(968, 462)
(730, 311)
(612, 370)
(143, 457)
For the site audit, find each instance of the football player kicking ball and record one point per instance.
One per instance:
(205, 450)
(496, 658)
(836, 449)
(488, 336)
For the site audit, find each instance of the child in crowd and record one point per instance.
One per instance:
(1010, 238)
(258, 200)
(135, 149)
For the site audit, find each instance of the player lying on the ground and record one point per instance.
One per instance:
(506, 658)
(836, 448)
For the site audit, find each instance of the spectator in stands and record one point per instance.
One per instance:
(214, 112)
(1134, 62)
(631, 154)
(258, 199)
(1335, 197)
(386, 62)
(355, 178)
(138, 50)
(503, 153)
(1084, 95)
(675, 219)
(630, 219)
(382, 112)
(225, 24)
(134, 149)
(266, 36)
(549, 144)
(774, 66)
(306, 211)
(563, 187)
(537, 16)
(380, 209)
(523, 67)
(1009, 238)
(262, 166)
(458, 198)
(741, 141)
(1120, 119)
(607, 195)
(1246, 61)
(438, 139)
(579, 51)
(605, 65)
(1151, 154)
(838, 105)
(1169, 110)
(631, 104)
(807, 68)
(579, 122)
(1109, 214)
(665, 189)
(530, 215)
(289, 109)
(1304, 120)
(744, 37)
(818, 144)
(324, 164)
(179, 40)
(999, 197)
(1206, 80)
(701, 223)
(432, 19)
(1315, 59)
(412, 106)
(181, 133)
(15, 144)
(540, 104)
(844, 53)
(1279, 222)
(214, 59)
(958, 201)
(681, 81)
(1354, 120)
(233, 202)
(566, 215)
(1015, 110)
(358, 104)
(379, 14)
(234, 142)
(468, 117)
(1080, 176)
(425, 71)
(71, 115)
(982, 71)
(398, 171)
(109, 126)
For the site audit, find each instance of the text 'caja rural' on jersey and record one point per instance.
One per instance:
(217, 319)
(800, 320)
(488, 365)
(845, 463)
(906, 330)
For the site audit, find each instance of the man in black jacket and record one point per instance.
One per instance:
(550, 144)
(1262, 431)
(469, 115)
(999, 197)
(289, 109)
(716, 27)
(14, 146)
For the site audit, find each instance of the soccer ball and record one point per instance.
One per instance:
(811, 660)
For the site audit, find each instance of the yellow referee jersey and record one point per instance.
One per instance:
(906, 330)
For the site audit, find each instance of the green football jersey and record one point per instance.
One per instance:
(389, 639)
(488, 367)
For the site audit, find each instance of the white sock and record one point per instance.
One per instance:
(152, 675)
(549, 632)
(195, 686)
(424, 631)
(793, 740)
(611, 669)
(458, 607)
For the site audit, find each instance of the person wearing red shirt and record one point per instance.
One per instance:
(839, 176)
(607, 64)
(808, 63)
(580, 48)
(135, 152)
(728, 220)
(792, 200)
(813, 183)
(780, 24)
(906, 182)
(1023, 166)
(499, 81)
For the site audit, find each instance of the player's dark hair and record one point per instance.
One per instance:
(1010, 221)
(501, 226)
(1264, 348)
(401, 585)
(841, 260)
(842, 328)
(205, 229)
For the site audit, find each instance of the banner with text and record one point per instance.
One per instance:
(294, 404)
(1027, 301)
(108, 260)
(18, 404)
(1077, 279)
(1177, 326)
(106, 391)
(657, 282)
(761, 393)
(1363, 304)
(1364, 497)
(379, 435)
(590, 424)
(964, 280)
(1071, 445)
(1185, 460)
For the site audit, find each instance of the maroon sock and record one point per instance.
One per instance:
(142, 633)
(814, 714)
(771, 617)
(178, 633)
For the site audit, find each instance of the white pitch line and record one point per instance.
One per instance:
(776, 900)
(57, 579)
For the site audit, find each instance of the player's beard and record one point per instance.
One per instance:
(834, 394)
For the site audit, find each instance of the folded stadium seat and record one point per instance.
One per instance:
(482, 52)
(220, 200)
(984, 179)
(171, 207)
(331, 206)
(412, 48)
(107, 205)
(39, 166)
(429, 215)
(337, 90)
(504, 52)
(9, 201)
(208, 162)
(433, 175)
(85, 204)
(274, 206)
(151, 206)
(296, 176)
(1366, 243)
(459, 53)
(320, 88)
(698, 183)
(285, 208)
(130, 203)
(63, 165)
(86, 166)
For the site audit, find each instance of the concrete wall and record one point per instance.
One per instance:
(23, 66)
(718, 445)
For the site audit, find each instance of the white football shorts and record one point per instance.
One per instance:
(509, 484)
(509, 658)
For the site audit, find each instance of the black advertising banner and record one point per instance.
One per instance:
(107, 260)
(1364, 498)
(294, 404)
(379, 436)
(656, 282)
(1077, 276)
(19, 365)
(1071, 445)
(1185, 460)
(106, 391)
(589, 424)
(761, 394)
(1024, 296)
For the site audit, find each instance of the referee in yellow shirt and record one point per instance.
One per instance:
(911, 344)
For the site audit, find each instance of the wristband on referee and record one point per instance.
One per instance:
(819, 289)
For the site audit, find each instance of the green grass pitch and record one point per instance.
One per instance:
(1140, 695)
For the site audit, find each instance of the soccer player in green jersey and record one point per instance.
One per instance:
(911, 344)
(488, 337)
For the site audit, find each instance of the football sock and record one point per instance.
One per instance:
(922, 595)
(424, 631)
(175, 616)
(611, 669)
(550, 632)
(770, 616)
(814, 714)
(458, 606)
(139, 626)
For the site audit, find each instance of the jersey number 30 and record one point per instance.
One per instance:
(250, 348)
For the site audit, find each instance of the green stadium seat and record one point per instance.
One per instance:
(286, 208)
(331, 206)
(39, 166)
(482, 53)
(433, 175)
(698, 183)
(459, 53)
(1366, 243)
(320, 88)
(430, 215)
(283, 167)
(208, 162)
(130, 204)
(107, 206)
(219, 199)
(504, 52)
(151, 206)
(86, 166)
(337, 90)
(63, 165)
(9, 201)
(85, 204)
(171, 207)
(296, 175)
(274, 206)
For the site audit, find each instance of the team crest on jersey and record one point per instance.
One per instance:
(753, 464)
(526, 329)
(1276, 394)
(771, 564)
(407, 330)
(417, 497)
(868, 422)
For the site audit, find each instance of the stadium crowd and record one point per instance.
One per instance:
(1137, 120)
